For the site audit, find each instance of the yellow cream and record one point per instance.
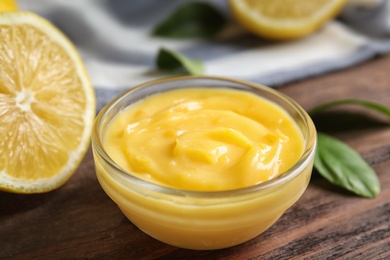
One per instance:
(204, 139)
(203, 144)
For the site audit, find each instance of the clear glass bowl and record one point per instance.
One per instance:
(196, 219)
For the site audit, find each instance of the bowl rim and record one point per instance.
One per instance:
(298, 167)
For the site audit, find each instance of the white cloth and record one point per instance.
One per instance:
(114, 40)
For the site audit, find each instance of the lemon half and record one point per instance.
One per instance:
(47, 105)
(284, 19)
(8, 5)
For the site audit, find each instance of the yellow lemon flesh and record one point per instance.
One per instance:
(284, 19)
(8, 5)
(47, 105)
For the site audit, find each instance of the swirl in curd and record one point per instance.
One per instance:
(204, 139)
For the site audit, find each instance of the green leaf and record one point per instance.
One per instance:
(174, 62)
(342, 166)
(374, 106)
(190, 20)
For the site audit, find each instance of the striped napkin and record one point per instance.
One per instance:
(114, 40)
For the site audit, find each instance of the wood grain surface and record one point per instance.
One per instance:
(78, 220)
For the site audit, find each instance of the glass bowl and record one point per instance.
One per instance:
(202, 220)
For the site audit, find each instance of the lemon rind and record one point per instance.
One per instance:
(283, 28)
(12, 184)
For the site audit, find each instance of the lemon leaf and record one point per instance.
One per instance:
(342, 166)
(193, 19)
(174, 62)
(374, 106)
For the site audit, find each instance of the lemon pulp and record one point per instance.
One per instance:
(284, 19)
(47, 105)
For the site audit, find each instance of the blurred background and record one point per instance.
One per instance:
(116, 41)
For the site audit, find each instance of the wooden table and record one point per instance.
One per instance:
(79, 220)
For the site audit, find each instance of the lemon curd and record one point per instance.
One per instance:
(204, 139)
(203, 162)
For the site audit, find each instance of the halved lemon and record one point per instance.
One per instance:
(284, 19)
(47, 105)
(8, 5)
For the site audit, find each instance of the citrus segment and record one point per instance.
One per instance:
(284, 19)
(47, 105)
